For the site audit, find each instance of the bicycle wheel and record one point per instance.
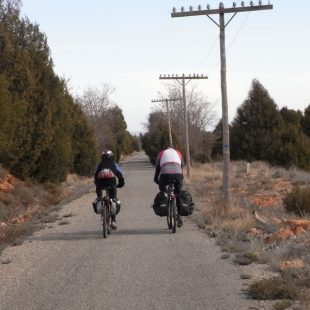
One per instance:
(104, 220)
(173, 216)
(169, 221)
(109, 219)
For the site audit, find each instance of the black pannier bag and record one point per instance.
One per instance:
(160, 206)
(186, 203)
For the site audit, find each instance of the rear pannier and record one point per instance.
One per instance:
(160, 206)
(186, 203)
(97, 206)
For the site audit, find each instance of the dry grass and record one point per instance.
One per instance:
(272, 289)
(237, 230)
(282, 304)
(25, 206)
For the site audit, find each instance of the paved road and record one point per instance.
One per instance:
(140, 266)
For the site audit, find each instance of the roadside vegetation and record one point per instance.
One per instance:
(28, 205)
(259, 231)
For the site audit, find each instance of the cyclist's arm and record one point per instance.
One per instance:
(119, 175)
(157, 171)
(118, 171)
(96, 172)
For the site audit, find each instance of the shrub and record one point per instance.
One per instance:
(282, 304)
(246, 258)
(298, 201)
(273, 288)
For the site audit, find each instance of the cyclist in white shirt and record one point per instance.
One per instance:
(169, 166)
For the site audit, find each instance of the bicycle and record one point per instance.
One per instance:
(106, 213)
(172, 207)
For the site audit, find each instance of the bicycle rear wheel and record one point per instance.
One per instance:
(169, 220)
(109, 221)
(104, 220)
(173, 215)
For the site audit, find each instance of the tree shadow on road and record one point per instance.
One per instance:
(81, 235)
(142, 231)
(96, 234)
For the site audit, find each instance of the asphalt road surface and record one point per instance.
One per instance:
(142, 265)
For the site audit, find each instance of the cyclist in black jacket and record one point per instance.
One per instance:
(105, 176)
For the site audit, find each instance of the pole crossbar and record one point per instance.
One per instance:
(192, 77)
(165, 99)
(222, 10)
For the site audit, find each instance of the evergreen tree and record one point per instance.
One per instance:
(7, 113)
(292, 149)
(37, 129)
(217, 141)
(305, 121)
(157, 136)
(257, 127)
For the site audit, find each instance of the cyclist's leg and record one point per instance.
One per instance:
(98, 191)
(112, 194)
(162, 182)
(99, 195)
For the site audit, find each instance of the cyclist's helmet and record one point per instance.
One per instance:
(107, 154)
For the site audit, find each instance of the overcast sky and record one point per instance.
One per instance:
(129, 43)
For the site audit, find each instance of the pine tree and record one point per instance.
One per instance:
(157, 136)
(37, 129)
(292, 150)
(305, 121)
(257, 127)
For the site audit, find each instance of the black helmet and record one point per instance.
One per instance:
(107, 154)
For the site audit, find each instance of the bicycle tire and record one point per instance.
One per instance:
(173, 216)
(104, 220)
(109, 218)
(168, 217)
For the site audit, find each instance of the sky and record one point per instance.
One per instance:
(128, 44)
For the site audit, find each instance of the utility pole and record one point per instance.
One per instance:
(168, 113)
(221, 11)
(181, 80)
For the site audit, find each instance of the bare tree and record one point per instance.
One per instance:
(201, 118)
(96, 103)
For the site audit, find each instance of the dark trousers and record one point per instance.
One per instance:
(111, 185)
(112, 192)
(164, 181)
(101, 184)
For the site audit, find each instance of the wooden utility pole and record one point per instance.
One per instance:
(221, 11)
(181, 80)
(168, 113)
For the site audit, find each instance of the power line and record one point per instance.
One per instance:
(208, 54)
(239, 30)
